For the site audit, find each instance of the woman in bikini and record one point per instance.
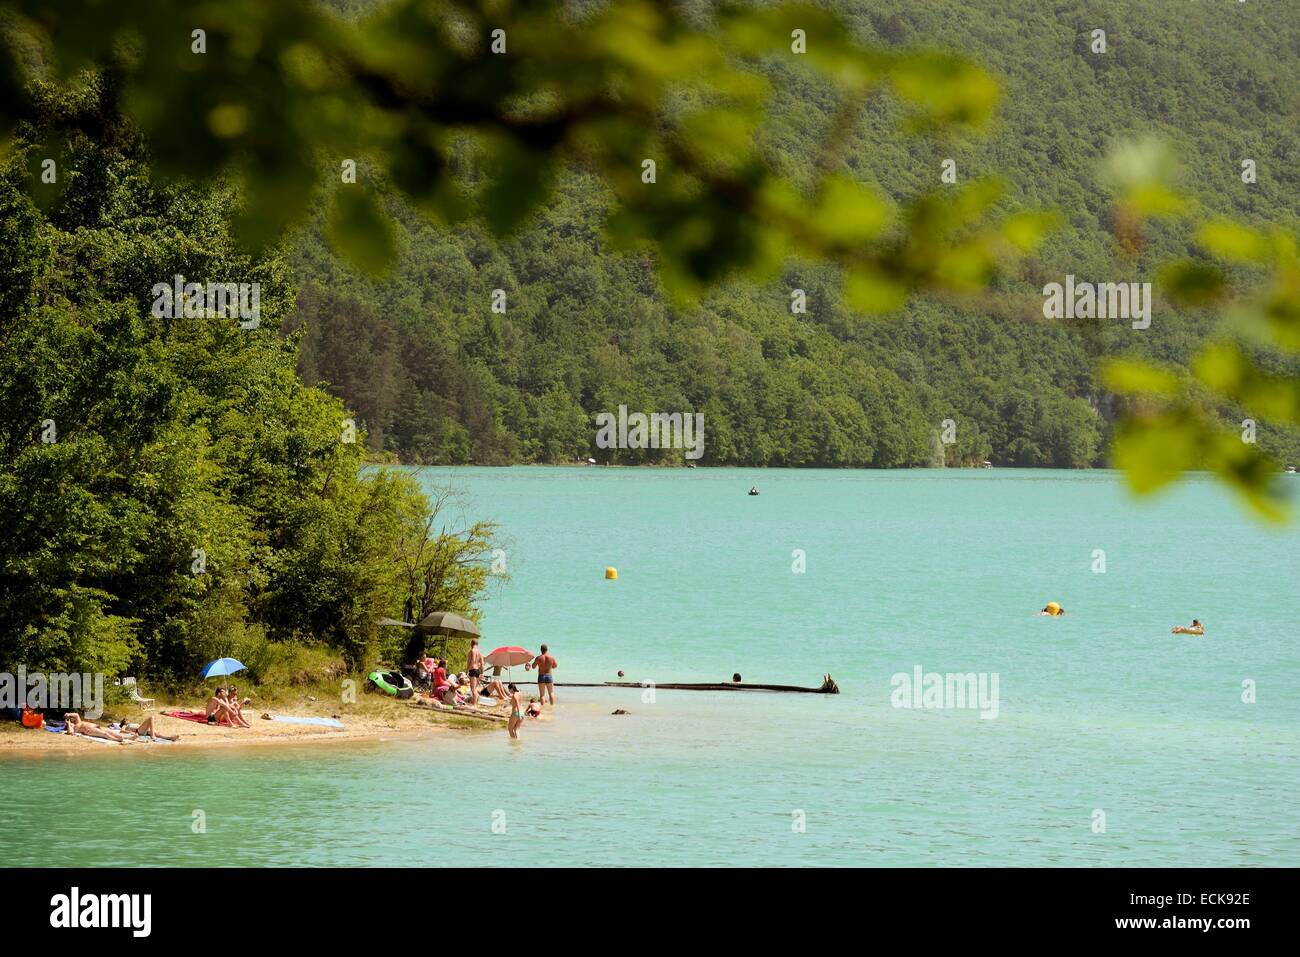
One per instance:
(516, 711)
(145, 729)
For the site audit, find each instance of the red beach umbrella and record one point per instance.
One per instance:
(509, 656)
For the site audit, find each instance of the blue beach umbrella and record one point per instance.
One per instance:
(222, 667)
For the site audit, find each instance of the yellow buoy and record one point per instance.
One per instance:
(611, 573)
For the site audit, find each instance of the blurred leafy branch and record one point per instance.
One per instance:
(1251, 276)
(285, 91)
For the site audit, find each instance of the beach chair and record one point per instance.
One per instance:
(135, 692)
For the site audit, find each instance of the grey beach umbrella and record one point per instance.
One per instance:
(449, 624)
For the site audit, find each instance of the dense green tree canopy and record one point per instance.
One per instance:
(168, 486)
(828, 229)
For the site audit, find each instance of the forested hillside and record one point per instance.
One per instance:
(435, 376)
(170, 491)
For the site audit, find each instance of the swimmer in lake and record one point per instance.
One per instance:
(1196, 628)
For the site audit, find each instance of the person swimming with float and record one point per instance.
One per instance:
(1196, 628)
(1051, 610)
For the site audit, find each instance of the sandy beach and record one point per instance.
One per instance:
(370, 719)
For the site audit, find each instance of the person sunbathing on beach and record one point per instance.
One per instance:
(495, 690)
(1196, 629)
(76, 724)
(145, 729)
(516, 711)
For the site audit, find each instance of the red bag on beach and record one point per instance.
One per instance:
(32, 719)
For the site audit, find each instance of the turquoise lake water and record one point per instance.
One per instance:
(1099, 711)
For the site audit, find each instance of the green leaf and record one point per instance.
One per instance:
(1251, 473)
(520, 182)
(1234, 241)
(1143, 171)
(1025, 231)
(1153, 452)
(360, 230)
(869, 289)
(1131, 377)
(1192, 283)
(1221, 367)
(849, 213)
(1282, 309)
(946, 89)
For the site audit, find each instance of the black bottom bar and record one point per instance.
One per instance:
(332, 907)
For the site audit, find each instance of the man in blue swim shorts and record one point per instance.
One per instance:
(545, 663)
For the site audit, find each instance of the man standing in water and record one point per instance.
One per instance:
(474, 669)
(545, 664)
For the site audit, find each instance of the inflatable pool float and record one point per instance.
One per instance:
(391, 683)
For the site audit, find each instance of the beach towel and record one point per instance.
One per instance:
(139, 738)
(319, 722)
(197, 716)
(60, 730)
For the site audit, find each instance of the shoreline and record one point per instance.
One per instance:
(395, 721)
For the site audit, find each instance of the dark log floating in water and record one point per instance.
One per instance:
(828, 686)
